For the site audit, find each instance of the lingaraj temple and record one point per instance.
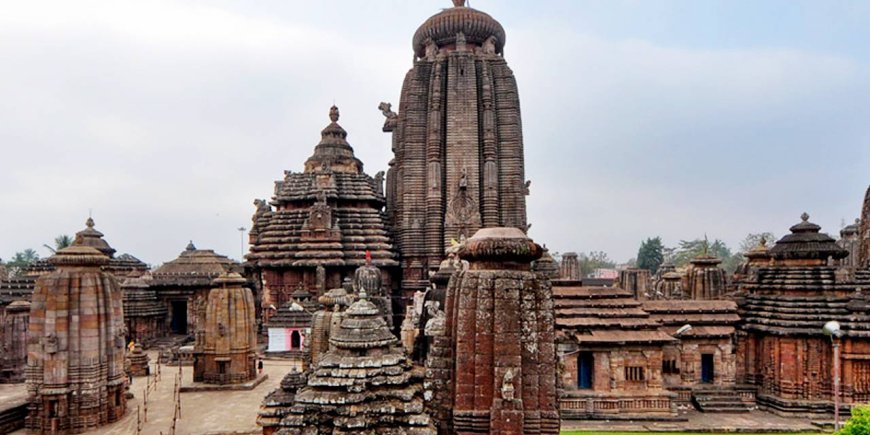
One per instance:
(414, 301)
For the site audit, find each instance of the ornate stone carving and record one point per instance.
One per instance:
(391, 117)
(507, 386)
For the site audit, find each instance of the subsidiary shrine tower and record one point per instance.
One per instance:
(457, 141)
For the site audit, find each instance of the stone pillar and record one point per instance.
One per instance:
(500, 318)
(570, 267)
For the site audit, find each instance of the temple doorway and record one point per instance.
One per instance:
(179, 317)
(707, 368)
(295, 340)
(585, 365)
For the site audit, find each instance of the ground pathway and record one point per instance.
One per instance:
(202, 413)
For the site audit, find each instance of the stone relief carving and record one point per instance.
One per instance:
(391, 117)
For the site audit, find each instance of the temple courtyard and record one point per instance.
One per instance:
(234, 412)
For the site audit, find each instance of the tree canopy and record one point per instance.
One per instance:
(21, 260)
(651, 255)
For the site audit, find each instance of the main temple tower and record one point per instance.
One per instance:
(457, 141)
(864, 233)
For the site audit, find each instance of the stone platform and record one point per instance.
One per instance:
(203, 387)
(13, 407)
(699, 422)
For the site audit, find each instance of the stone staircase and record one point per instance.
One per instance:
(719, 400)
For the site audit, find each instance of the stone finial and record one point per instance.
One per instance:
(805, 217)
(90, 222)
(500, 244)
(190, 246)
(458, 3)
(333, 113)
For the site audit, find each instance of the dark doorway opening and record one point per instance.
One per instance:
(179, 317)
(585, 366)
(295, 340)
(707, 368)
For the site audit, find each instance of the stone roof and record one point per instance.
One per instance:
(806, 242)
(329, 215)
(443, 27)
(291, 315)
(93, 238)
(603, 315)
(140, 300)
(709, 318)
(193, 267)
(363, 384)
(277, 403)
(16, 289)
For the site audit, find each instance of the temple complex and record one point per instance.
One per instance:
(226, 343)
(783, 306)
(144, 315)
(457, 141)
(75, 364)
(326, 220)
(499, 328)
(182, 286)
(612, 354)
(364, 384)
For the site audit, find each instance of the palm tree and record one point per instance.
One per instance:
(60, 242)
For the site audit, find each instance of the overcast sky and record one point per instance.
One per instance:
(641, 118)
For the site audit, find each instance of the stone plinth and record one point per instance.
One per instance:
(225, 353)
(76, 344)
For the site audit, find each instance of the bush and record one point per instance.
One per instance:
(859, 423)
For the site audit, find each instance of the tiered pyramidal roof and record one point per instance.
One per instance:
(364, 384)
(329, 215)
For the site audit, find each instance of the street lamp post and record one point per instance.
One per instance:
(832, 329)
(242, 242)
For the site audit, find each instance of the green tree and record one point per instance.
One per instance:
(594, 260)
(651, 254)
(60, 242)
(859, 423)
(21, 260)
(753, 239)
(690, 249)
